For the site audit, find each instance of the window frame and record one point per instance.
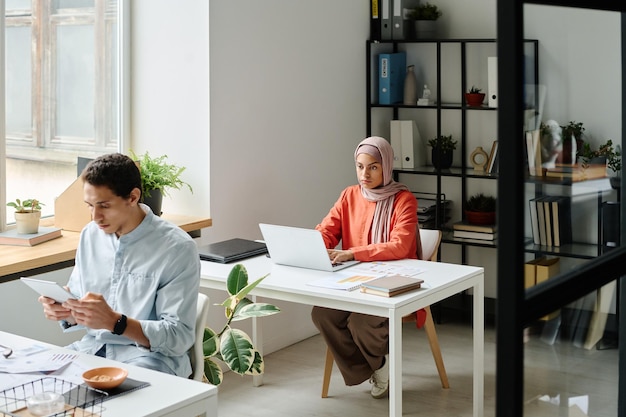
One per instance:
(122, 126)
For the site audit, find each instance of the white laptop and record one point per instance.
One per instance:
(295, 246)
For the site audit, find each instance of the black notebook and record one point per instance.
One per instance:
(83, 396)
(231, 250)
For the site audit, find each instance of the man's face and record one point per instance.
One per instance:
(112, 213)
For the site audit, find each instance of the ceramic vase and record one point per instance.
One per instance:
(155, 201)
(425, 29)
(27, 223)
(441, 159)
(410, 86)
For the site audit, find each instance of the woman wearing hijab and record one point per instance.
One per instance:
(375, 220)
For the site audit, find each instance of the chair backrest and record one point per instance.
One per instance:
(431, 239)
(196, 353)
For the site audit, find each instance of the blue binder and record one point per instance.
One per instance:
(391, 73)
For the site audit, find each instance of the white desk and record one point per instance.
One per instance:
(167, 395)
(443, 280)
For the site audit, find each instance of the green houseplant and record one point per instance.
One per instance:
(442, 152)
(481, 209)
(27, 215)
(233, 346)
(425, 16)
(475, 97)
(572, 133)
(606, 154)
(157, 176)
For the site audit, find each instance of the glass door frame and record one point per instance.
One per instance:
(517, 307)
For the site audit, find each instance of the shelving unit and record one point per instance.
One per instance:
(449, 67)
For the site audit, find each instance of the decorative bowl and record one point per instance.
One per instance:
(105, 378)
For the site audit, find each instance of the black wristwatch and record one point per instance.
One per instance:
(120, 325)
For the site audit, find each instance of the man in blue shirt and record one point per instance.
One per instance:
(136, 276)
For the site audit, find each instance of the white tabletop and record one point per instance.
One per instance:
(167, 395)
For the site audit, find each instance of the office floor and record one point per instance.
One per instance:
(293, 377)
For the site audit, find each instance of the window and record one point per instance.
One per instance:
(62, 92)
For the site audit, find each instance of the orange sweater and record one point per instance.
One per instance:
(350, 220)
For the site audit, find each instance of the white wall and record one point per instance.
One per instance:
(170, 92)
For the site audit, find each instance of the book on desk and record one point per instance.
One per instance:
(11, 237)
(391, 285)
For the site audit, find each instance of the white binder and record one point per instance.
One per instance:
(412, 153)
(492, 83)
(395, 138)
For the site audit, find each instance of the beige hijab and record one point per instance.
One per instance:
(385, 195)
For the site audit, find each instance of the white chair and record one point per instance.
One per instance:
(196, 353)
(430, 241)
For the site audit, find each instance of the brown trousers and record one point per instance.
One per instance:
(358, 342)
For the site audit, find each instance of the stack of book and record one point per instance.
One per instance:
(551, 220)
(466, 230)
(391, 285)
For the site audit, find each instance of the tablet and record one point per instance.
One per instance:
(48, 289)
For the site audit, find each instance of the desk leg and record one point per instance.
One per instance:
(395, 364)
(479, 346)
(257, 340)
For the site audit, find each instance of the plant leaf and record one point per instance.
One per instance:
(244, 291)
(258, 366)
(213, 372)
(230, 304)
(237, 350)
(211, 341)
(255, 310)
(237, 279)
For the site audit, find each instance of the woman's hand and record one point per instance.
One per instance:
(337, 256)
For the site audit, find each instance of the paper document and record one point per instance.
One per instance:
(352, 278)
(41, 362)
(342, 281)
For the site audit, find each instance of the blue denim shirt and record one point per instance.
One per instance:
(151, 274)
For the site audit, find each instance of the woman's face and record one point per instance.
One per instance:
(368, 171)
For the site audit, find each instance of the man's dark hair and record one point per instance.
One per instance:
(116, 171)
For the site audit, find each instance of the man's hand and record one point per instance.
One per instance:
(55, 311)
(92, 311)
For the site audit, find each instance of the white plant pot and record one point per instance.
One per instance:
(27, 223)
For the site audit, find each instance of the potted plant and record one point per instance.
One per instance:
(442, 152)
(425, 17)
(27, 215)
(157, 176)
(233, 346)
(481, 209)
(572, 133)
(606, 155)
(475, 97)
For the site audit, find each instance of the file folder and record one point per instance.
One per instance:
(395, 138)
(413, 154)
(492, 81)
(385, 23)
(397, 31)
(375, 27)
(391, 73)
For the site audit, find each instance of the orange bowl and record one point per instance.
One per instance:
(105, 378)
